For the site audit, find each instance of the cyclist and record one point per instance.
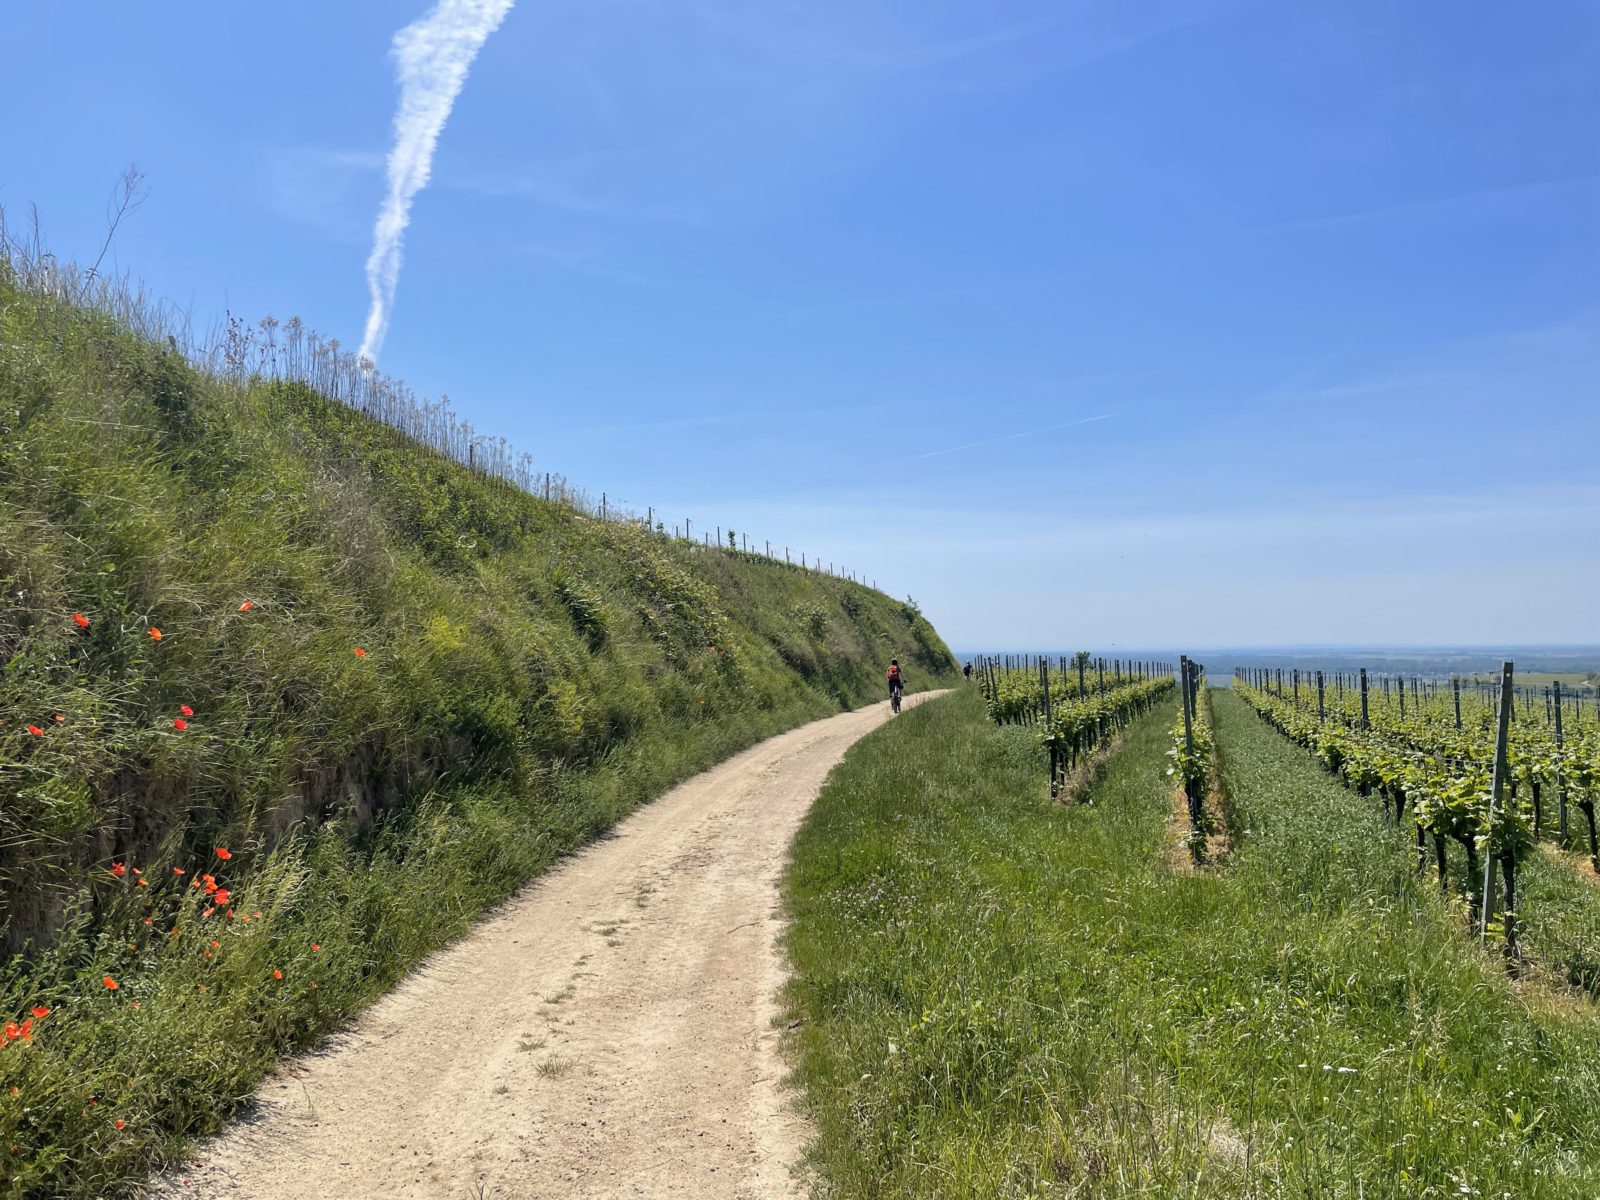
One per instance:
(897, 684)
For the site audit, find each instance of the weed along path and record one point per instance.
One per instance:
(608, 1033)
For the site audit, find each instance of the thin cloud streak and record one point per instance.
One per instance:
(1011, 437)
(433, 56)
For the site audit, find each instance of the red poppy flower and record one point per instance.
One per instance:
(179, 723)
(314, 946)
(149, 920)
(224, 855)
(121, 1124)
(27, 1030)
(360, 653)
(111, 984)
(186, 710)
(35, 730)
(208, 954)
(143, 883)
(177, 870)
(135, 1003)
(155, 634)
(118, 870)
(216, 945)
(208, 912)
(277, 974)
(222, 896)
(13, 1030)
(40, 1011)
(83, 621)
(247, 606)
(59, 719)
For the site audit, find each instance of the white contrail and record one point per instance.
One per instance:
(1012, 436)
(432, 57)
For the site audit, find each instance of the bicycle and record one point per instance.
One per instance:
(894, 698)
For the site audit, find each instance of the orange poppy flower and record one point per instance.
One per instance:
(35, 730)
(277, 974)
(118, 870)
(155, 634)
(59, 719)
(111, 984)
(13, 1030)
(360, 653)
(177, 870)
(138, 870)
(186, 710)
(179, 723)
(27, 1030)
(82, 621)
(247, 606)
(142, 883)
(121, 1124)
(208, 954)
(224, 855)
(208, 912)
(314, 946)
(40, 1011)
(222, 896)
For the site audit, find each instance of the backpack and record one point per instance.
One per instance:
(894, 674)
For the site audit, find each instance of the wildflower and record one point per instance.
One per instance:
(179, 724)
(142, 883)
(258, 914)
(186, 710)
(135, 1003)
(177, 870)
(155, 634)
(16, 1091)
(13, 1031)
(137, 871)
(35, 730)
(276, 974)
(314, 946)
(223, 854)
(149, 920)
(111, 984)
(118, 870)
(27, 1030)
(202, 987)
(40, 1011)
(360, 653)
(216, 945)
(247, 606)
(222, 896)
(208, 954)
(59, 719)
(121, 1124)
(82, 621)
(209, 911)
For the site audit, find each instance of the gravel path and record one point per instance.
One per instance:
(608, 1033)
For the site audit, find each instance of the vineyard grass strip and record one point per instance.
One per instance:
(1001, 997)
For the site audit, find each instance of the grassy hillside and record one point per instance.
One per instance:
(241, 615)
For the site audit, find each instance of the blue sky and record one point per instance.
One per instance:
(1327, 273)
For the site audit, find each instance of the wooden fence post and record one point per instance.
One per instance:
(1496, 788)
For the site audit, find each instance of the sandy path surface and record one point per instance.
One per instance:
(608, 1033)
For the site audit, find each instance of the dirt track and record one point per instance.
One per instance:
(609, 1033)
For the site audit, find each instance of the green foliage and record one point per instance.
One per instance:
(529, 676)
(999, 997)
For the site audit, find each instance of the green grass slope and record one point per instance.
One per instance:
(411, 689)
(1001, 997)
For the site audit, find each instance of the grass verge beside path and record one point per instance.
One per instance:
(1005, 998)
